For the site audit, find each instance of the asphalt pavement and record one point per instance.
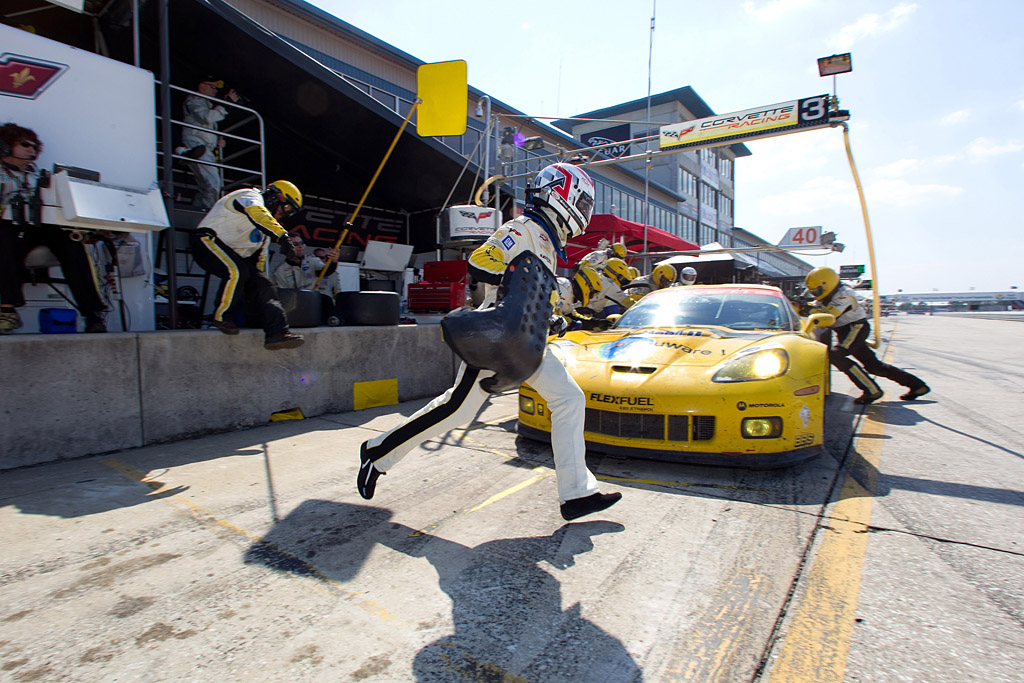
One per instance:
(249, 556)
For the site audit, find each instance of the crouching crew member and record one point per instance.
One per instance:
(852, 329)
(559, 205)
(232, 242)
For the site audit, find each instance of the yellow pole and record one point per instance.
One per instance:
(369, 187)
(876, 315)
(478, 196)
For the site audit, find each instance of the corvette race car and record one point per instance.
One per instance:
(707, 374)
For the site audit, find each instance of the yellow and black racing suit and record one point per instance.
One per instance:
(232, 243)
(851, 329)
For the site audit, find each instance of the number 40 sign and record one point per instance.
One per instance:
(802, 237)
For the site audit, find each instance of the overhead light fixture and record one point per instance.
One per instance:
(536, 142)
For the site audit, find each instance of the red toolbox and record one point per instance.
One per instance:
(444, 288)
(445, 271)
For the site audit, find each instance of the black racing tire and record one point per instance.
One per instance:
(304, 307)
(369, 308)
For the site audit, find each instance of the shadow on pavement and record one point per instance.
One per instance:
(506, 607)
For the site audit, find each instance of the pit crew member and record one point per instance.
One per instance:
(559, 205)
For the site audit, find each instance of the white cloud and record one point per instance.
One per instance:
(827, 193)
(872, 24)
(898, 168)
(906, 167)
(770, 11)
(900, 193)
(985, 148)
(1020, 105)
(815, 195)
(956, 117)
(784, 155)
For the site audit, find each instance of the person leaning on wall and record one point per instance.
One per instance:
(22, 229)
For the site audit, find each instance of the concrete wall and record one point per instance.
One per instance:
(71, 395)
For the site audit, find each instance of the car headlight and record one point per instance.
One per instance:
(754, 365)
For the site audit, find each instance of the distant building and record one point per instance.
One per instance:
(702, 179)
(1012, 300)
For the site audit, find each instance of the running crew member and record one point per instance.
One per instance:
(559, 205)
(232, 242)
(852, 329)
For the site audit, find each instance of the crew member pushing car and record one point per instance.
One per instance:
(852, 328)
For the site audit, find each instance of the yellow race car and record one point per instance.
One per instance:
(707, 374)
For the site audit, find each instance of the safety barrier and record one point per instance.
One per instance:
(72, 395)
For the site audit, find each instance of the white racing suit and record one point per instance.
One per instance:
(201, 111)
(460, 404)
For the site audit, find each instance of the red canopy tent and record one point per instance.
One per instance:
(615, 229)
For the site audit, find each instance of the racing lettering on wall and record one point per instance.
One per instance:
(322, 221)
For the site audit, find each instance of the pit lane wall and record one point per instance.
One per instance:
(71, 395)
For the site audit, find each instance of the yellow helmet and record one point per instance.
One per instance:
(821, 282)
(663, 275)
(619, 249)
(634, 272)
(282, 193)
(585, 283)
(617, 270)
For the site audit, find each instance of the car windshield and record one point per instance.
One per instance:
(736, 308)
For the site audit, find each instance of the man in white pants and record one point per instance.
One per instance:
(560, 200)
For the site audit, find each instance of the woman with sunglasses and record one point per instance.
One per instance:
(21, 231)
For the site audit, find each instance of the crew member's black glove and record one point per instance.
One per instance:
(557, 325)
(287, 248)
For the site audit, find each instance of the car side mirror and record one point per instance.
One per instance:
(815, 320)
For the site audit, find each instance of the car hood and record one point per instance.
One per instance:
(656, 348)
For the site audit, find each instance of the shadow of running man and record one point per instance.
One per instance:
(507, 613)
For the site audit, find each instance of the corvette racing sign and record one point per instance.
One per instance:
(775, 119)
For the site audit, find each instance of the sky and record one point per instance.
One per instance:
(936, 102)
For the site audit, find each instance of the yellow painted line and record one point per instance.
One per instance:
(201, 514)
(198, 511)
(817, 638)
(542, 473)
(713, 643)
